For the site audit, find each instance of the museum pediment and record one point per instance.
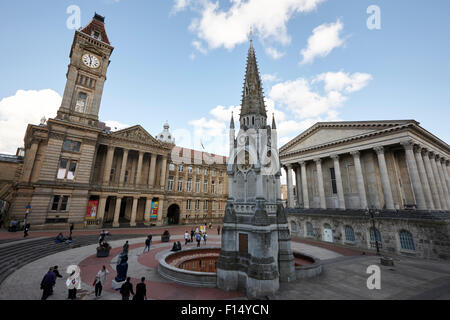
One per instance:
(328, 132)
(136, 134)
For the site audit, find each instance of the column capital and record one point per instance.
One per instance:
(111, 147)
(407, 144)
(418, 148)
(424, 151)
(334, 156)
(288, 166)
(355, 153)
(379, 150)
(318, 160)
(302, 163)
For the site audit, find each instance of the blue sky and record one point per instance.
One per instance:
(167, 67)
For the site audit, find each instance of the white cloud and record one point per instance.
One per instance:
(299, 96)
(324, 39)
(198, 45)
(21, 109)
(269, 78)
(180, 5)
(274, 53)
(219, 27)
(115, 125)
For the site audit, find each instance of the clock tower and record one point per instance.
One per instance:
(86, 75)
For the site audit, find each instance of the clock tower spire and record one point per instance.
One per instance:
(86, 75)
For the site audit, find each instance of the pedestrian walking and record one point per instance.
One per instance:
(141, 290)
(100, 281)
(47, 284)
(218, 229)
(199, 239)
(205, 236)
(147, 245)
(150, 237)
(125, 248)
(71, 228)
(25, 230)
(186, 238)
(192, 235)
(127, 289)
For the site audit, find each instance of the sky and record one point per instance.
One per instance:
(184, 61)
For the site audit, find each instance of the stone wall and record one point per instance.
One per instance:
(430, 232)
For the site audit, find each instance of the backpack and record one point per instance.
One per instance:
(199, 237)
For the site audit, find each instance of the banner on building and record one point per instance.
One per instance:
(154, 211)
(91, 212)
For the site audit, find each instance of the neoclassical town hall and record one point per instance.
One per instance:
(75, 170)
(365, 183)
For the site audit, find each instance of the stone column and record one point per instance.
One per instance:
(424, 178)
(163, 173)
(290, 199)
(386, 185)
(431, 179)
(108, 164)
(323, 203)
(160, 211)
(360, 180)
(414, 175)
(123, 168)
(139, 168)
(437, 178)
(133, 212)
(101, 207)
(117, 212)
(340, 188)
(151, 174)
(298, 186)
(148, 207)
(443, 181)
(30, 156)
(446, 173)
(304, 185)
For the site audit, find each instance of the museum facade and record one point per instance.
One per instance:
(76, 170)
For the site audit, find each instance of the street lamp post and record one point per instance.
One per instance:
(372, 217)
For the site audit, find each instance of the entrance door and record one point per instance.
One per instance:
(173, 214)
(327, 233)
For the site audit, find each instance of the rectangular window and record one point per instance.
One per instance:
(67, 146)
(180, 185)
(205, 205)
(333, 180)
(71, 172)
(180, 168)
(213, 205)
(126, 177)
(81, 102)
(76, 146)
(189, 185)
(71, 146)
(188, 205)
(197, 186)
(62, 169)
(243, 243)
(212, 187)
(171, 167)
(189, 170)
(55, 203)
(65, 200)
(220, 187)
(213, 172)
(206, 172)
(170, 184)
(197, 170)
(205, 186)
(197, 204)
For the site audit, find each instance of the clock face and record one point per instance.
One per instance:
(91, 61)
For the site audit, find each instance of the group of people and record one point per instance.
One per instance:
(197, 234)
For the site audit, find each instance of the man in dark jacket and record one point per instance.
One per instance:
(127, 289)
(141, 291)
(147, 244)
(47, 284)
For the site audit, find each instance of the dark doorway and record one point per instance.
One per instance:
(173, 214)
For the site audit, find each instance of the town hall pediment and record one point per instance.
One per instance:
(324, 133)
(137, 134)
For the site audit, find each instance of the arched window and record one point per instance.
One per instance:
(406, 240)
(349, 234)
(293, 226)
(372, 238)
(309, 229)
